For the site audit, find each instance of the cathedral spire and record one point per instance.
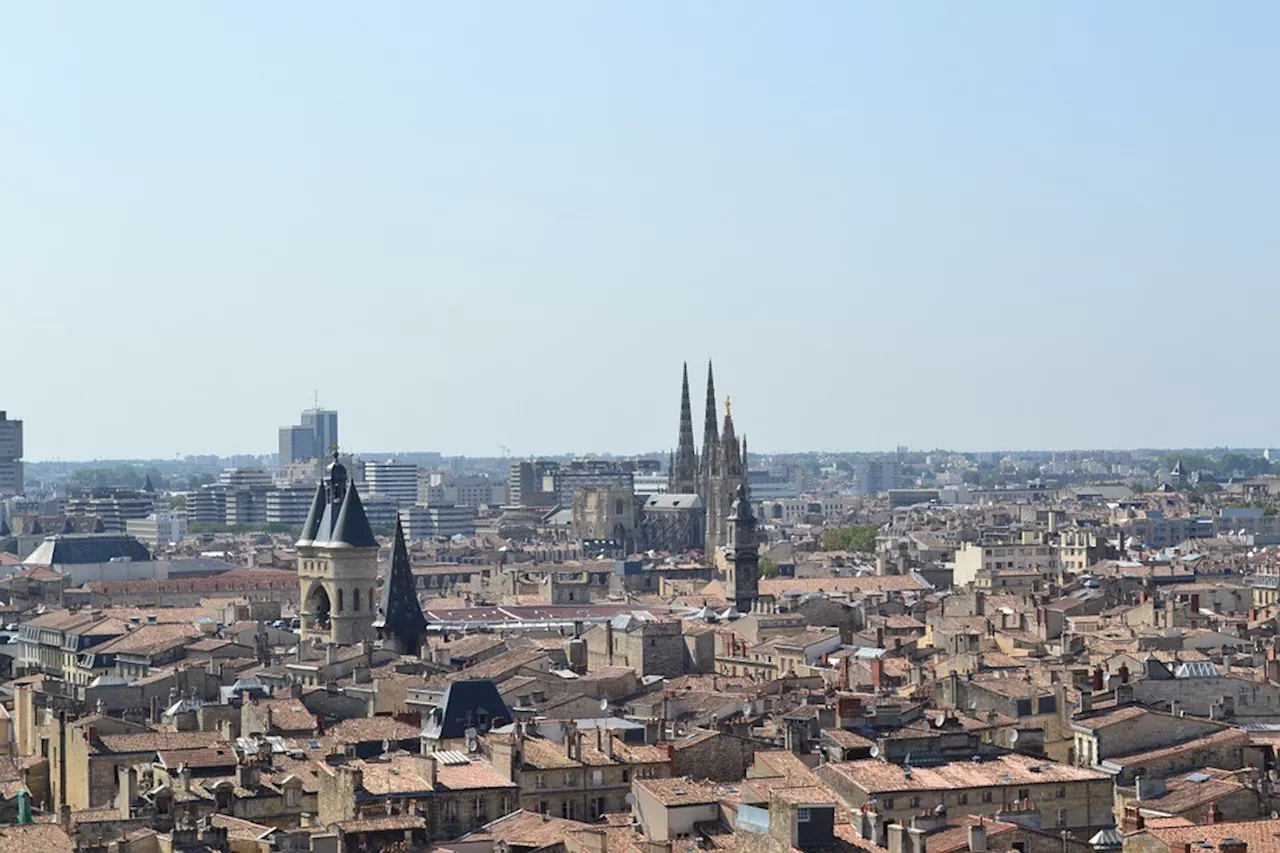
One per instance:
(684, 475)
(710, 433)
(730, 452)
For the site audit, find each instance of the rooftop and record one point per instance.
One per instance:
(876, 776)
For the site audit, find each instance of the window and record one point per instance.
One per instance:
(540, 782)
(450, 809)
(802, 815)
(1062, 817)
(914, 802)
(293, 797)
(597, 778)
(339, 601)
(542, 806)
(626, 776)
(1061, 793)
(1024, 794)
(986, 796)
(888, 803)
(355, 599)
(568, 780)
(963, 799)
(477, 806)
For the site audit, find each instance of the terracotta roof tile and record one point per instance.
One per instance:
(1001, 771)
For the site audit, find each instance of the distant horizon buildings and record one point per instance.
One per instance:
(10, 456)
(315, 435)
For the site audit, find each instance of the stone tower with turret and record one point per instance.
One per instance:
(742, 575)
(337, 564)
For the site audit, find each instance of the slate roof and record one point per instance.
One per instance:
(399, 614)
(337, 518)
(81, 548)
(462, 707)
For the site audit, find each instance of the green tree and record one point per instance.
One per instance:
(854, 537)
(768, 568)
(178, 502)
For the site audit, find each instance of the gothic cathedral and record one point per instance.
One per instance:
(719, 476)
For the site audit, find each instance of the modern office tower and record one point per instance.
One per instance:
(10, 456)
(314, 437)
(297, 444)
(324, 425)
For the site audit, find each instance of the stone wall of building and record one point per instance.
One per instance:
(719, 757)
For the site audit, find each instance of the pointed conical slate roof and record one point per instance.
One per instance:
(35, 528)
(98, 526)
(147, 485)
(399, 614)
(311, 526)
(68, 526)
(352, 527)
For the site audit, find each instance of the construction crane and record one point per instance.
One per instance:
(506, 451)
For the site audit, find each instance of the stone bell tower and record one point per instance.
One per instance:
(337, 564)
(743, 574)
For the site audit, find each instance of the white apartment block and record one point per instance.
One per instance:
(395, 480)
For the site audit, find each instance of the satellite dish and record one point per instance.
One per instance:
(630, 798)
(875, 752)
(604, 706)
(1013, 736)
(940, 720)
(748, 709)
(386, 746)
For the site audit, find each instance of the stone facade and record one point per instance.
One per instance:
(712, 755)
(650, 648)
(605, 513)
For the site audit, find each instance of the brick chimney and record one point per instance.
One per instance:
(1214, 814)
(877, 674)
(1133, 819)
(1232, 845)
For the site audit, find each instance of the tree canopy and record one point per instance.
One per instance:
(854, 537)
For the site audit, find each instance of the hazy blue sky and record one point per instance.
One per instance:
(971, 225)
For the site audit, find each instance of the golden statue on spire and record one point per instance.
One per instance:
(728, 407)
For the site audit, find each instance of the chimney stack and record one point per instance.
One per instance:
(978, 837)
